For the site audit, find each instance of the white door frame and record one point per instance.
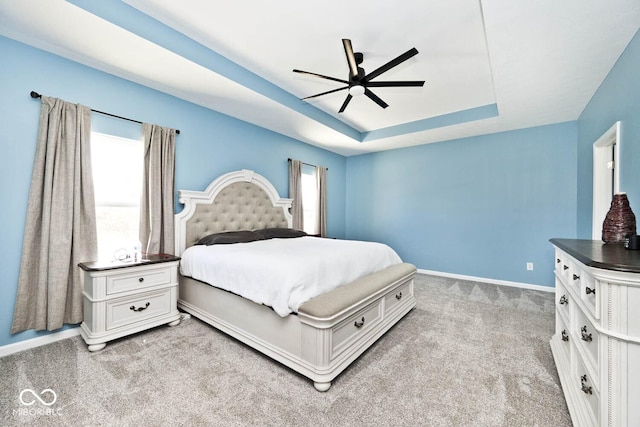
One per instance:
(606, 176)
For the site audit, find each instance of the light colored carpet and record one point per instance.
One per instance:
(469, 354)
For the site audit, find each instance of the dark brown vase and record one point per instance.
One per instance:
(620, 222)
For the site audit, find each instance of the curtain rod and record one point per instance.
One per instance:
(308, 164)
(37, 95)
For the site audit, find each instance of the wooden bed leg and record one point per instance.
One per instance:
(322, 386)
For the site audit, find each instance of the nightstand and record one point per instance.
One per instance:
(123, 298)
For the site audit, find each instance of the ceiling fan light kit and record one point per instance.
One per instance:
(359, 82)
(356, 90)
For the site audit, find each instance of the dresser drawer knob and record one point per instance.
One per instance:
(585, 337)
(583, 382)
(133, 307)
(398, 296)
(565, 267)
(588, 290)
(565, 336)
(564, 300)
(141, 279)
(359, 324)
(576, 277)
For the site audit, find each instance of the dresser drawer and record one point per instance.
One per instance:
(126, 311)
(395, 298)
(563, 301)
(590, 294)
(140, 279)
(562, 331)
(587, 391)
(588, 339)
(563, 265)
(355, 327)
(574, 277)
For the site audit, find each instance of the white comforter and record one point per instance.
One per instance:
(285, 273)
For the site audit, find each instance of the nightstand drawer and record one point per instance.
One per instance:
(125, 311)
(141, 279)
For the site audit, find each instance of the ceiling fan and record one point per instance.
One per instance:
(359, 82)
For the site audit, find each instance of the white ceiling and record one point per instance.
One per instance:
(489, 66)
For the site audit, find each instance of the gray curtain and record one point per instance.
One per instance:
(321, 182)
(60, 229)
(295, 193)
(156, 205)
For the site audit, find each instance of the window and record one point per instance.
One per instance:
(310, 199)
(117, 178)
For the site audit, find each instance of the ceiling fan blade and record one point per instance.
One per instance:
(351, 57)
(393, 63)
(345, 103)
(375, 99)
(321, 76)
(396, 84)
(325, 93)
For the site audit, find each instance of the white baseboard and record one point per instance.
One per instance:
(8, 349)
(492, 281)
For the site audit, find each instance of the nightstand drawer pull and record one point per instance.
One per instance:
(359, 324)
(565, 336)
(585, 337)
(564, 300)
(133, 307)
(398, 296)
(576, 277)
(588, 290)
(584, 388)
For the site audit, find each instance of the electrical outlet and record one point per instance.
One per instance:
(530, 266)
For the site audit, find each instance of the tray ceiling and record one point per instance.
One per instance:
(489, 66)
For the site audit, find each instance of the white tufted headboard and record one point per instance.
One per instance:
(240, 200)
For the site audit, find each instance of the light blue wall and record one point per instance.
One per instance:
(617, 99)
(481, 206)
(209, 144)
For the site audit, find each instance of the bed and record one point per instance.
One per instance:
(324, 334)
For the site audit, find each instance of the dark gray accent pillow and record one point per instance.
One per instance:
(280, 233)
(228, 237)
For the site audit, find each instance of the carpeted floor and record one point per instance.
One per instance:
(469, 354)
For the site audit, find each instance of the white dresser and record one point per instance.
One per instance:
(596, 345)
(124, 298)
